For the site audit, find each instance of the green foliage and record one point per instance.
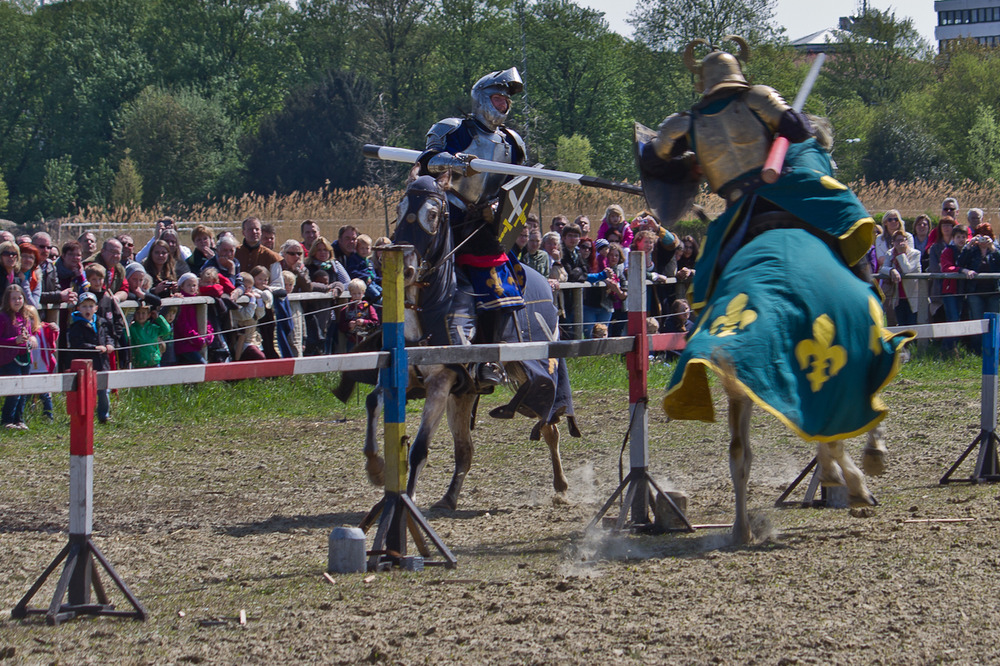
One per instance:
(182, 142)
(58, 186)
(672, 24)
(899, 148)
(573, 154)
(4, 195)
(984, 146)
(127, 190)
(314, 140)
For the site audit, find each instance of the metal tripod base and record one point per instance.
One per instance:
(987, 464)
(834, 497)
(78, 577)
(641, 492)
(396, 513)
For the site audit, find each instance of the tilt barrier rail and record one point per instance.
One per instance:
(398, 513)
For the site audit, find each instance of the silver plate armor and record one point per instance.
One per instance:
(731, 141)
(478, 187)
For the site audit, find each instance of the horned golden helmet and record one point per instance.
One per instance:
(718, 71)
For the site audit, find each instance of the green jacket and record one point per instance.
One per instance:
(146, 334)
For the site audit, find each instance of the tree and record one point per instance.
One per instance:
(315, 140)
(573, 154)
(4, 195)
(672, 24)
(984, 146)
(385, 176)
(58, 186)
(127, 190)
(901, 149)
(183, 143)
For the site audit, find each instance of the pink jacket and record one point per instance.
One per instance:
(186, 326)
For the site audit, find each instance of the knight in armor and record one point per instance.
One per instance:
(489, 278)
(778, 304)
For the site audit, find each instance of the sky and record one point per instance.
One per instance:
(798, 17)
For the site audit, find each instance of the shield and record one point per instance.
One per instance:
(515, 201)
(670, 185)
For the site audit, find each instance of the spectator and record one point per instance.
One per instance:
(217, 315)
(974, 217)
(251, 253)
(137, 281)
(110, 258)
(69, 280)
(902, 260)
(291, 259)
(287, 317)
(15, 349)
(557, 272)
(614, 221)
(178, 251)
(321, 259)
(938, 239)
(558, 223)
(310, 232)
(31, 274)
(358, 319)
(188, 340)
(7, 236)
(160, 267)
(584, 223)
(951, 296)
(128, 249)
(618, 287)
(248, 341)
(687, 257)
(88, 241)
(265, 325)
(110, 312)
(10, 268)
(520, 249)
(597, 304)
(88, 338)
(535, 257)
(268, 236)
(43, 354)
(345, 245)
(317, 314)
(574, 264)
(980, 255)
(147, 336)
(226, 263)
(204, 248)
(365, 269)
(921, 234)
(43, 242)
(891, 223)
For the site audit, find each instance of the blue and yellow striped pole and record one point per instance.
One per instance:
(393, 380)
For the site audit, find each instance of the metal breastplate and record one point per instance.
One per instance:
(481, 187)
(729, 142)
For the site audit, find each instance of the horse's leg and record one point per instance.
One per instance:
(874, 454)
(740, 458)
(830, 472)
(550, 432)
(460, 422)
(438, 386)
(857, 491)
(375, 465)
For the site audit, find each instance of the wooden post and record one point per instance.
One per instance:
(637, 362)
(201, 312)
(393, 380)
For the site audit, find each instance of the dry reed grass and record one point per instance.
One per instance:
(367, 209)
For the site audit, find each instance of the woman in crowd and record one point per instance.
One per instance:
(892, 222)
(687, 257)
(15, 350)
(31, 273)
(951, 296)
(980, 255)
(160, 267)
(321, 259)
(922, 234)
(618, 289)
(939, 238)
(597, 304)
(10, 267)
(902, 261)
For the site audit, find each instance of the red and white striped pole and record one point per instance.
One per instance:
(637, 363)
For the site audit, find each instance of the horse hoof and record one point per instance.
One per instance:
(856, 501)
(873, 462)
(560, 499)
(445, 503)
(376, 471)
(831, 476)
(502, 412)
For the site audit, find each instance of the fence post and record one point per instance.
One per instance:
(201, 312)
(393, 380)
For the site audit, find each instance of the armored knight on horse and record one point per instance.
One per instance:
(783, 319)
(489, 280)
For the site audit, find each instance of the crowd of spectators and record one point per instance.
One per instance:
(248, 282)
(568, 252)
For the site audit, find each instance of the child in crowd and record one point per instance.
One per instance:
(90, 338)
(261, 282)
(358, 319)
(210, 284)
(109, 311)
(137, 281)
(169, 355)
(248, 344)
(43, 354)
(285, 318)
(373, 284)
(188, 340)
(147, 334)
(15, 351)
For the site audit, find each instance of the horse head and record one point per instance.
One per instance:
(422, 222)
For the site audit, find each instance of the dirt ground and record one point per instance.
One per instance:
(203, 522)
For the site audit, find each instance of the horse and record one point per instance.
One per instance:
(543, 391)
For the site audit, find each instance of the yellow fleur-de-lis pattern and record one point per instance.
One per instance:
(737, 317)
(820, 354)
(875, 333)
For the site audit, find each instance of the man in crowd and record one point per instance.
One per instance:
(251, 253)
(267, 236)
(346, 243)
(310, 232)
(110, 257)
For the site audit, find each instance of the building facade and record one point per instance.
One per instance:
(967, 19)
